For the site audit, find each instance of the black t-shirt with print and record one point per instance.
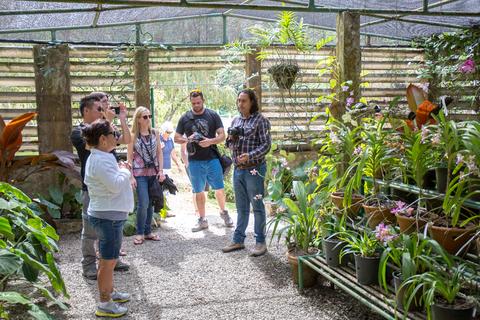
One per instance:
(206, 124)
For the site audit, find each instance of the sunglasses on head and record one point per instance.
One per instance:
(147, 117)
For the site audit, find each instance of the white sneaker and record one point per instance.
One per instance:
(110, 309)
(120, 296)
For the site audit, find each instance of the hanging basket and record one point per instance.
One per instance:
(284, 74)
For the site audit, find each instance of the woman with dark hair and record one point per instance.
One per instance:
(111, 199)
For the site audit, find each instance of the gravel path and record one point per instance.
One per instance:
(186, 276)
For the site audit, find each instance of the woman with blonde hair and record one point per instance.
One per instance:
(144, 154)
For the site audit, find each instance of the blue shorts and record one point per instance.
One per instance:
(110, 234)
(203, 171)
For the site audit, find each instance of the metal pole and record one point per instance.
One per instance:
(74, 10)
(152, 105)
(107, 25)
(185, 3)
(425, 5)
(433, 5)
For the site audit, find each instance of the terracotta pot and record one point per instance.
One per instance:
(356, 204)
(410, 224)
(376, 215)
(309, 275)
(451, 239)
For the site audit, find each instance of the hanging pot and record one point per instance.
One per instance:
(410, 224)
(331, 249)
(461, 310)
(284, 74)
(367, 269)
(309, 275)
(377, 215)
(451, 239)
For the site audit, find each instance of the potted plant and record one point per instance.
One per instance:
(300, 225)
(365, 248)
(331, 244)
(374, 161)
(339, 146)
(410, 255)
(440, 293)
(276, 42)
(409, 218)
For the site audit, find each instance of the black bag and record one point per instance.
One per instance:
(225, 161)
(155, 193)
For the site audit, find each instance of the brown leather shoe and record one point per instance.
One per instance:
(233, 247)
(259, 250)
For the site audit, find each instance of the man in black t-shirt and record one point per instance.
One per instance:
(92, 108)
(203, 129)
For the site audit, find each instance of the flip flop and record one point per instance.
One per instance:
(123, 253)
(137, 241)
(153, 237)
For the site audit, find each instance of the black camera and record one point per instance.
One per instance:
(193, 142)
(150, 164)
(235, 131)
(117, 110)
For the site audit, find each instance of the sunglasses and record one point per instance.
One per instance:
(99, 109)
(111, 132)
(147, 117)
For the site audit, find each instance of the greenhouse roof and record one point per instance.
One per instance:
(215, 22)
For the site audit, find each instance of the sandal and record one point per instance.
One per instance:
(138, 241)
(123, 253)
(153, 237)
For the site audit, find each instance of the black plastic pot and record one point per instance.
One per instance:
(367, 269)
(441, 175)
(400, 293)
(429, 180)
(447, 312)
(331, 249)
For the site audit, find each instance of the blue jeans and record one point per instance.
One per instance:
(249, 190)
(144, 205)
(110, 234)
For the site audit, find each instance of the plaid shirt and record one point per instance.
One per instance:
(256, 140)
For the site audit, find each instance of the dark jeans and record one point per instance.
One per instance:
(249, 190)
(144, 206)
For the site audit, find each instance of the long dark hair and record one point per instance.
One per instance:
(253, 99)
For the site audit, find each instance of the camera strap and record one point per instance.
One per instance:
(144, 145)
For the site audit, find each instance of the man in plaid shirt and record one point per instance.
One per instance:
(249, 139)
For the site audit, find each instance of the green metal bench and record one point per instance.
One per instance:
(344, 278)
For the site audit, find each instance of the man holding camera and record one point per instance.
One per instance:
(249, 139)
(203, 129)
(92, 108)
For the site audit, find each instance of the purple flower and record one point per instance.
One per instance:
(345, 88)
(399, 207)
(350, 101)
(424, 134)
(436, 139)
(284, 163)
(351, 93)
(468, 66)
(275, 171)
(357, 151)
(384, 233)
(459, 159)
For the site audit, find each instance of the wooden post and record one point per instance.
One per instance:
(349, 58)
(53, 96)
(253, 72)
(142, 78)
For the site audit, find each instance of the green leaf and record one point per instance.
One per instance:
(47, 294)
(30, 273)
(333, 83)
(11, 190)
(6, 228)
(14, 298)
(78, 196)
(9, 262)
(56, 194)
(47, 203)
(7, 205)
(38, 313)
